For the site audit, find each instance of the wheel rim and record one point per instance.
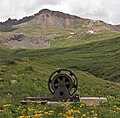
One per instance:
(70, 81)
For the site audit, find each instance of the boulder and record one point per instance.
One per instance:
(92, 100)
(13, 82)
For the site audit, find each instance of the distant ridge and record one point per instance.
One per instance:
(47, 27)
(11, 22)
(49, 18)
(58, 19)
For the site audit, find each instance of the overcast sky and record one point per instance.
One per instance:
(106, 10)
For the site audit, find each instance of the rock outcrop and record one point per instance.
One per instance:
(24, 41)
(44, 17)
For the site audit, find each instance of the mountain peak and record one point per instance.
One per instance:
(43, 17)
(57, 13)
(45, 10)
(50, 18)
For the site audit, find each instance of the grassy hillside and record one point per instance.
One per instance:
(91, 50)
(77, 38)
(32, 68)
(101, 59)
(58, 37)
(32, 80)
(65, 37)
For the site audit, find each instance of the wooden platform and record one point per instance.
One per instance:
(87, 100)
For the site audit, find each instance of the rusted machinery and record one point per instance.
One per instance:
(62, 84)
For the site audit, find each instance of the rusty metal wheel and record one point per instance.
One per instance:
(63, 77)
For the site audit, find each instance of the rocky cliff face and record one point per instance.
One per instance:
(10, 22)
(46, 18)
(54, 19)
(24, 41)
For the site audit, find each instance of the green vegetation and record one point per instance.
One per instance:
(62, 37)
(36, 30)
(94, 58)
(32, 68)
(79, 38)
(31, 30)
(77, 24)
(78, 110)
(102, 58)
(62, 43)
(99, 58)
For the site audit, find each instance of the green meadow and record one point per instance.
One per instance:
(95, 63)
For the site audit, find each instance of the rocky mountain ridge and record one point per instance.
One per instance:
(47, 12)
(52, 19)
(47, 25)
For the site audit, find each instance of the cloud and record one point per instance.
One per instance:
(106, 10)
(20, 8)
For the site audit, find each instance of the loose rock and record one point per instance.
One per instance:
(13, 82)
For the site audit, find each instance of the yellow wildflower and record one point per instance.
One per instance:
(30, 109)
(82, 105)
(1, 111)
(49, 114)
(51, 111)
(60, 113)
(7, 105)
(95, 115)
(72, 111)
(110, 110)
(46, 113)
(92, 111)
(38, 115)
(83, 115)
(76, 111)
(24, 117)
(62, 105)
(70, 117)
(118, 108)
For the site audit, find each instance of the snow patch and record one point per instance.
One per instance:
(72, 33)
(91, 31)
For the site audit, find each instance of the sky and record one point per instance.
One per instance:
(106, 10)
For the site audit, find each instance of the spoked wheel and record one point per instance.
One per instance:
(63, 78)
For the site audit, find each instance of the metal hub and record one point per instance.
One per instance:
(62, 84)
